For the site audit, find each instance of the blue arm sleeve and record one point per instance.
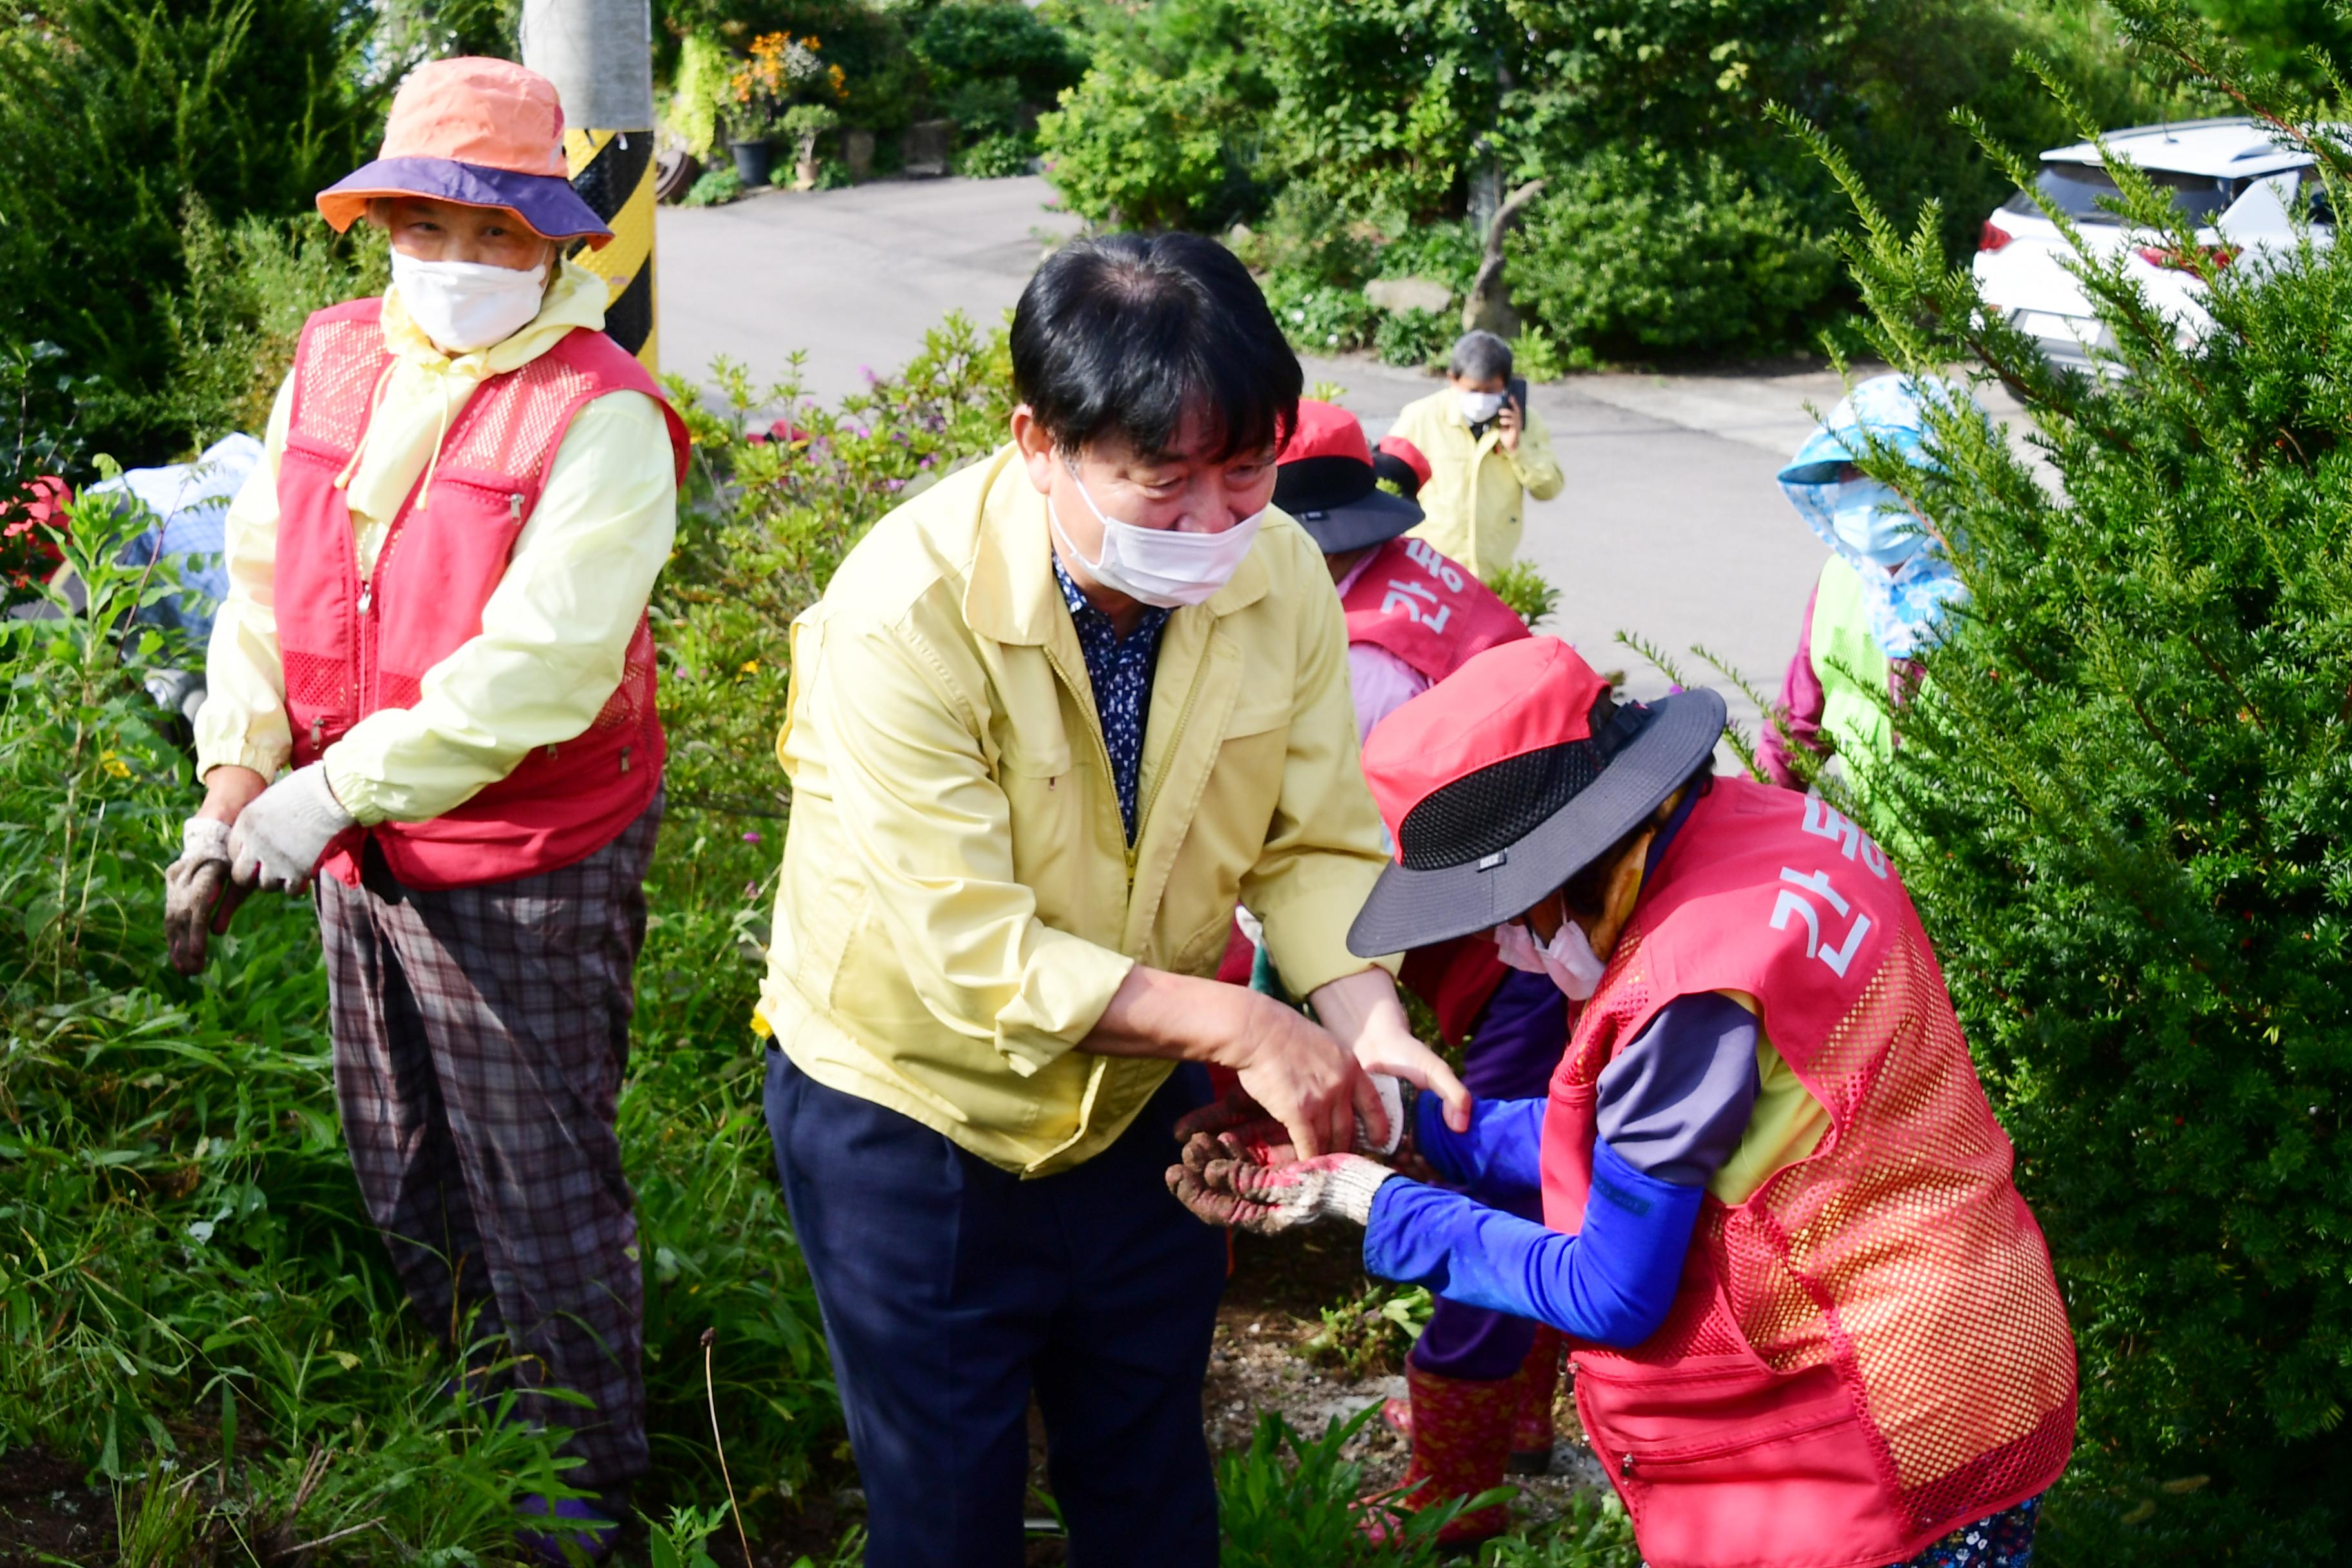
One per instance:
(1612, 1283)
(1497, 1161)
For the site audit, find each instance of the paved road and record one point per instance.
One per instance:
(1669, 528)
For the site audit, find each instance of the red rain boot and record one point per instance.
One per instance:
(1539, 1381)
(1461, 1441)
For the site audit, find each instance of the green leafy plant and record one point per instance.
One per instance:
(1532, 595)
(1288, 1500)
(1373, 1333)
(1320, 317)
(2120, 805)
(714, 187)
(992, 158)
(1591, 1532)
(1536, 356)
(1416, 338)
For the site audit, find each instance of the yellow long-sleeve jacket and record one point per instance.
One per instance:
(959, 900)
(1477, 488)
(555, 631)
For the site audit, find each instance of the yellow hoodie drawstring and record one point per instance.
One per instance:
(359, 450)
(433, 464)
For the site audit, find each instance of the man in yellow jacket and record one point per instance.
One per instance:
(1050, 722)
(1487, 452)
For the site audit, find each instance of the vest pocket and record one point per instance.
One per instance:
(1726, 1463)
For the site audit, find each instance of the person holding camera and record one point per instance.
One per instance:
(1487, 451)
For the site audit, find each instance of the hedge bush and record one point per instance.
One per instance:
(2126, 795)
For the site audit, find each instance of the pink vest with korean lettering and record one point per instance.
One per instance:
(1871, 1349)
(1425, 609)
(351, 647)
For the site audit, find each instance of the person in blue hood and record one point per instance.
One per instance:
(1884, 596)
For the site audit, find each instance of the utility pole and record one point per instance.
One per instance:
(599, 55)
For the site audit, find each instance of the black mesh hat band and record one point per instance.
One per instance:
(1484, 812)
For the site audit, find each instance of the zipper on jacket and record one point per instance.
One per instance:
(1699, 1453)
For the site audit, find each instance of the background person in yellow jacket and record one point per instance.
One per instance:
(1050, 720)
(438, 583)
(1487, 452)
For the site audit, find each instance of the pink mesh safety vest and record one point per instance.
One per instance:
(351, 647)
(1871, 1349)
(1426, 610)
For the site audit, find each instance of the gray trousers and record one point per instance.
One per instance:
(480, 1036)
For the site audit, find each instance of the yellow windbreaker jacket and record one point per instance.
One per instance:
(1477, 489)
(959, 901)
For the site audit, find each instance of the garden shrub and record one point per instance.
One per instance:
(970, 42)
(233, 329)
(1632, 254)
(1320, 317)
(1163, 130)
(715, 187)
(2126, 804)
(992, 158)
(1416, 338)
(112, 118)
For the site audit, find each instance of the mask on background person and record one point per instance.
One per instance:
(464, 305)
(1477, 407)
(1159, 566)
(1875, 522)
(1567, 958)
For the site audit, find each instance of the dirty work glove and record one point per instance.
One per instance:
(1268, 1200)
(279, 838)
(1258, 1137)
(198, 897)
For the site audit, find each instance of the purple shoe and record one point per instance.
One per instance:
(592, 1545)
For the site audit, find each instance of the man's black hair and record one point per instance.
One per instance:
(1126, 335)
(1481, 356)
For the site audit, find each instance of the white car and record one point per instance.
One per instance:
(2230, 177)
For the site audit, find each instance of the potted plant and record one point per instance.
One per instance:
(782, 70)
(804, 122)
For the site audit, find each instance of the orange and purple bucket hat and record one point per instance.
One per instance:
(480, 132)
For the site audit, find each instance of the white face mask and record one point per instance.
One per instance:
(1158, 566)
(1567, 958)
(464, 305)
(1477, 407)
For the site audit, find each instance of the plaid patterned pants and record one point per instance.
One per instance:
(480, 1036)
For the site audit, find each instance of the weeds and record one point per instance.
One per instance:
(1371, 1334)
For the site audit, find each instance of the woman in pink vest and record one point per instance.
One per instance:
(1813, 1324)
(1480, 1383)
(437, 616)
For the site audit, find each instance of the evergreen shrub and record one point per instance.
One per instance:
(2125, 802)
(112, 119)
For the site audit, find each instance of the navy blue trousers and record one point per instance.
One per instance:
(952, 1289)
(1513, 1047)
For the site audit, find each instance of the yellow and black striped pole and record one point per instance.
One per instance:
(614, 173)
(599, 55)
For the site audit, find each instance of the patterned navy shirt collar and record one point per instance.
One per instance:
(1120, 669)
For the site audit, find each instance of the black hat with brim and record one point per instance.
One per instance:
(1339, 501)
(1489, 845)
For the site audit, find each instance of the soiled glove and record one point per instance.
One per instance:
(1255, 1136)
(1266, 1200)
(198, 897)
(279, 838)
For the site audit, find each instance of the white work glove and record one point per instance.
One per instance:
(1270, 1199)
(1246, 1131)
(198, 897)
(279, 838)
